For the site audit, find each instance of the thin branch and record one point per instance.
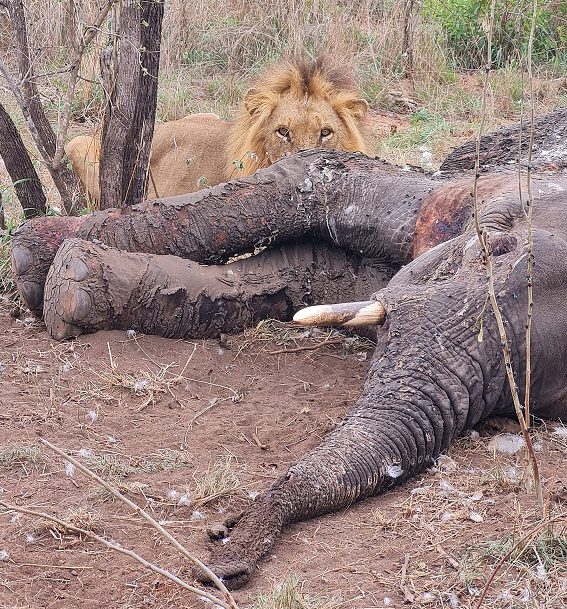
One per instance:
(118, 548)
(484, 243)
(13, 87)
(86, 38)
(141, 512)
(530, 235)
(28, 98)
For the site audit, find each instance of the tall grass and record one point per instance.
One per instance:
(211, 52)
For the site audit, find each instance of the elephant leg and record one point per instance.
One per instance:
(93, 287)
(343, 199)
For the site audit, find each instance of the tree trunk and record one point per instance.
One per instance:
(18, 164)
(30, 103)
(130, 113)
(344, 199)
(90, 288)
(407, 49)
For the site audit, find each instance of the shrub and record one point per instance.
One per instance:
(465, 24)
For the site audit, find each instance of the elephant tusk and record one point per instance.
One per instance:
(348, 314)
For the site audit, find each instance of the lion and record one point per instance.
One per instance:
(295, 105)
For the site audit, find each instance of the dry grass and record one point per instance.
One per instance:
(212, 52)
(18, 455)
(115, 467)
(270, 332)
(290, 594)
(220, 479)
(77, 516)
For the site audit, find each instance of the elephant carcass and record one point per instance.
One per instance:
(437, 370)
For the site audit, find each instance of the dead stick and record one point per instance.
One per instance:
(483, 239)
(36, 564)
(118, 548)
(141, 512)
(334, 341)
(454, 563)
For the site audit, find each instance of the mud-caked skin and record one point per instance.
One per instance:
(430, 379)
(174, 298)
(348, 201)
(438, 367)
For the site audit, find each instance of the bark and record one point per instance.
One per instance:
(18, 164)
(90, 288)
(130, 113)
(29, 101)
(501, 148)
(347, 200)
(407, 49)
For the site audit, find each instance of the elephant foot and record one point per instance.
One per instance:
(34, 246)
(31, 292)
(92, 287)
(71, 303)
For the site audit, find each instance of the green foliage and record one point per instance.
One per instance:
(425, 128)
(465, 26)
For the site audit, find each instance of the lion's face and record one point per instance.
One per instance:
(296, 125)
(296, 106)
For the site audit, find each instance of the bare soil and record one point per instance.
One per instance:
(156, 415)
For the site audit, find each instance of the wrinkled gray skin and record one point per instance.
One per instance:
(431, 377)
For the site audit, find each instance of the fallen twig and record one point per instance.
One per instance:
(118, 548)
(141, 512)
(333, 341)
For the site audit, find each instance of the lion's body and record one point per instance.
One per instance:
(187, 155)
(184, 156)
(293, 106)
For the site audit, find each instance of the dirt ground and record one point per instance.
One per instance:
(192, 430)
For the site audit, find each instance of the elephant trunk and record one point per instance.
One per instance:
(425, 386)
(384, 440)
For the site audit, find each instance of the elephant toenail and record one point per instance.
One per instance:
(76, 305)
(22, 259)
(75, 270)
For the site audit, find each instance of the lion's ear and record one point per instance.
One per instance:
(357, 107)
(255, 100)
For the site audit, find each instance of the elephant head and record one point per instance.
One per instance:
(437, 370)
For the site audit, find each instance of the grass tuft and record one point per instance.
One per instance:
(547, 550)
(290, 595)
(18, 455)
(220, 479)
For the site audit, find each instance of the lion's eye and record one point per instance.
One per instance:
(283, 132)
(326, 132)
